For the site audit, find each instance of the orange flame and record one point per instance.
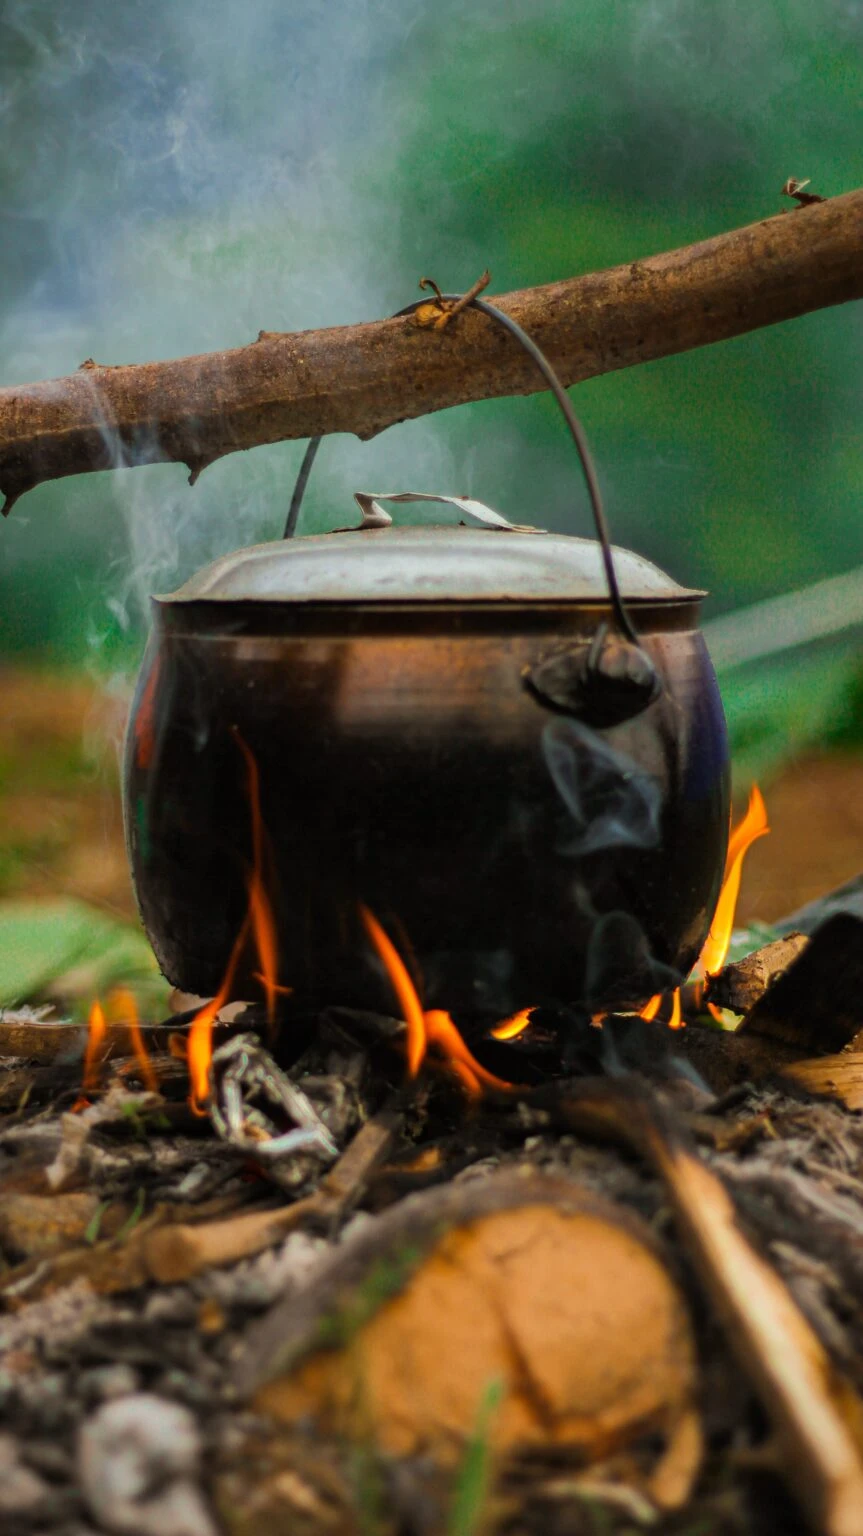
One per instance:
(442, 1032)
(259, 924)
(199, 1052)
(402, 986)
(120, 1008)
(124, 1010)
(753, 826)
(432, 1028)
(263, 923)
(651, 1009)
(96, 1032)
(510, 1029)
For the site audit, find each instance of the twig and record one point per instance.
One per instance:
(448, 308)
(176, 1253)
(794, 188)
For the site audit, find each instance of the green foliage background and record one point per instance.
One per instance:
(173, 180)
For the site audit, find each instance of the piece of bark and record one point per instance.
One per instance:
(398, 1335)
(287, 1485)
(816, 1006)
(178, 1252)
(34, 1226)
(830, 1220)
(363, 378)
(739, 986)
(25, 1036)
(21, 1084)
(109, 1266)
(816, 1414)
(831, 1077)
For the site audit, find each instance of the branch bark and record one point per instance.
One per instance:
(364, 378)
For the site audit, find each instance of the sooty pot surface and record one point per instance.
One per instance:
(404, 698)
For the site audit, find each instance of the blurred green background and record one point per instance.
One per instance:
(177, 176)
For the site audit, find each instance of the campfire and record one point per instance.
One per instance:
(216, 1158)
(470, 1184)
(426, 1030)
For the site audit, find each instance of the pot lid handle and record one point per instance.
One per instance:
(576, 430)
(376, 516)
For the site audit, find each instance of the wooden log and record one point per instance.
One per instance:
(816, 1413)
(529, 1281)
(364, 378)
(816, 1005)
(739, 986)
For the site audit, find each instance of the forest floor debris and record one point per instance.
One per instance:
(141, 1251)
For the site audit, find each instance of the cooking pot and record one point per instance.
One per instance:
(507, 744)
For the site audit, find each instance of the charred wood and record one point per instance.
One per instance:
(816, 1006)
(740, 986)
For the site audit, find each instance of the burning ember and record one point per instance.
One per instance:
(510, 1029)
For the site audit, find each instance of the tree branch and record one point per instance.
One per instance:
(363, 378)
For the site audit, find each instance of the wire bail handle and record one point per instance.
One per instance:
(636, 669)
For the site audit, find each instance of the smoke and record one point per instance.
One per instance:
(195, 172)
(611, 802)
(175, 177)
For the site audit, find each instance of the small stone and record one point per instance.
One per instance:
(138, 1462)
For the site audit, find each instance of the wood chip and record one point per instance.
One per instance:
(532, 1282)
(835, 1077)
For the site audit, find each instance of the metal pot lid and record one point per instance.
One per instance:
(429, 564)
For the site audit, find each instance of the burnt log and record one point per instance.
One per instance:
(739, 986)
(816, 1005)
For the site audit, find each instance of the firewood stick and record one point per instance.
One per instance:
(176, 1253)
(817, 1416)
(363, 378)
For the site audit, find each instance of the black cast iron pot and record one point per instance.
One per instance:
(390, 686)
(507, 744)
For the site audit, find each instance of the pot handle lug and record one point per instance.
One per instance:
(376, 516)
(603, 681)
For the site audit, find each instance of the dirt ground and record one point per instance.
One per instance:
(61, 830)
